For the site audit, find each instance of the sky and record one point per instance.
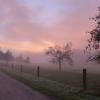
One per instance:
(34, 25)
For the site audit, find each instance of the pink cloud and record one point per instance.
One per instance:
(22, 23)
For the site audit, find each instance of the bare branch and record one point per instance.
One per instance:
(60, 54)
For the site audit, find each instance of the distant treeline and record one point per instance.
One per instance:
(8, 56)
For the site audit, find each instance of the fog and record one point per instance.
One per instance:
(79, 62)
(32, 26)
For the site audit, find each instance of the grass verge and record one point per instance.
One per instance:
(50, 88)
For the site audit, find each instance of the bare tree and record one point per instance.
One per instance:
(60, 54)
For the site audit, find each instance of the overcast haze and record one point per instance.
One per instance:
(33, 25)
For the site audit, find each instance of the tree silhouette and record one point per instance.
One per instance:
(94, 40)
(7, 56)
(20, 58)
(1, 55)
(27, 60)
(60, 54)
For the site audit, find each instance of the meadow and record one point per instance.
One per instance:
(63, 85)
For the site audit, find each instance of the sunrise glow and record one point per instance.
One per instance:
(34, 25)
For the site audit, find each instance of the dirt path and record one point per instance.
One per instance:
(11, 89)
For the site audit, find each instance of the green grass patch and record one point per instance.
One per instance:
(54, 89)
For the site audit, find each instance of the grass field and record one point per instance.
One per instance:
(72, 78)
(60, 85)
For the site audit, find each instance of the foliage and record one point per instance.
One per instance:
(7, 56)
(94, 41)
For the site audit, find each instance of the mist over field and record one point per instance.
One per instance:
(29, 27)
(79, 62)
(46, 47)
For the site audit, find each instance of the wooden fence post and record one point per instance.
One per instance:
(38, 72)
(84, 79)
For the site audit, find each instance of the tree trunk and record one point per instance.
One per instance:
(60, 66)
